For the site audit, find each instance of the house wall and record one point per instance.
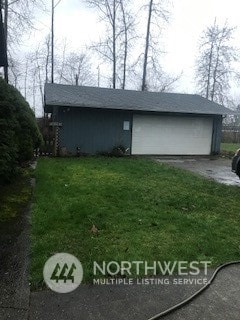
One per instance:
(98, 130)
(93, 130)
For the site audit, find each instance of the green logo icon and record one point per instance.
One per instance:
(63, 272)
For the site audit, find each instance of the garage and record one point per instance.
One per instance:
(171, 135)
(94, 120)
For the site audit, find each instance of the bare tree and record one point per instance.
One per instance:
(40, 66)
(213, 66)
(127, 35)
(108, 10)
(15, 67)
(3, 49)
(157, 12)
(54, 5)
(36, 70)
(76, 70)
(63, 61)
(17, 17)
(147, 45)
(159, 80)
(115, 47)
(47, 58)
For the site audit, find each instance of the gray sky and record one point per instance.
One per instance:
(81, 26)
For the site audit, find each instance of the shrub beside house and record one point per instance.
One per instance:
(19, 134)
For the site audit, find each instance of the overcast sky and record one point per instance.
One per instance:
(80, 25)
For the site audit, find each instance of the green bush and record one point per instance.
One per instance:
(19, 134)
(117, 151)
(8, 141)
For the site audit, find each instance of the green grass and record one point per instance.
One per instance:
(14, 197)
(143, 210)
(230, 147)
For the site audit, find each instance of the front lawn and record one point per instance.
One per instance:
(230, 147)
(144, 211)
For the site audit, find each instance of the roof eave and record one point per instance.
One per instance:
(48, 108)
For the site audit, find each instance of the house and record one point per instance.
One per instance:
(92, 119)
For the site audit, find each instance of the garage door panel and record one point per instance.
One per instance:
(171, 135)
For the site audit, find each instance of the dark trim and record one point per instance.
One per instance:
(141, 111)
(131, 133)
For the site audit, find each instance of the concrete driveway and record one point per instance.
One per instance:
(140, 302)
(215, 168)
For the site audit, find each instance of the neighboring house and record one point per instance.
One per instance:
(91, 120)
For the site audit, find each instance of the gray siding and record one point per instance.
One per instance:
(97, 130)
(93, 130)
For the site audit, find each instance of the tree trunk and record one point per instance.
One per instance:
(114, 44)
(144, 85)
(52, 38)
(6, 36)
(215, 71)
(63, 62)
(47, 60)
(25, 80)
(125, 45)
(209, 71)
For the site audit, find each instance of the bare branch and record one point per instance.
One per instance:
(213, 66)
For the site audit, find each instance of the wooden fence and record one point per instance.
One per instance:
(231, 134)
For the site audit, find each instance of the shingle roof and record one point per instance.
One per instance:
(94, 97)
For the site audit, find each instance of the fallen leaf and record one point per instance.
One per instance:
(94, 229)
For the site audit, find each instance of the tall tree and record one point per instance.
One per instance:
(158, 12)
(108, 10)
(36, 70)
(214, 64)
(127, 36)
(3, 49)
(115, 47)
(54, 5)
(17, 17)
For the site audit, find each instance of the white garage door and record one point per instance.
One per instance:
(171, 135)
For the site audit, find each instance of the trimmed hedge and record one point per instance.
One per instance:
(19, 134)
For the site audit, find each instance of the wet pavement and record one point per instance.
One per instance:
(216, 168)
(14, 258)
(220, 301)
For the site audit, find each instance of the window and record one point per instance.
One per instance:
(126, 125)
